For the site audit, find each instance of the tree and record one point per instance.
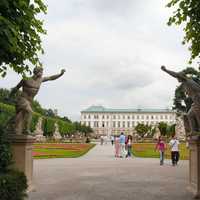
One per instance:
(163, 128)
(187, 14)
(20, 34)
(142, 129)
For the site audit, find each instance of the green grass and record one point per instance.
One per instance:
(147, 150)
(60, 150)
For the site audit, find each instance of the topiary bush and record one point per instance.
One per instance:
(48, 126)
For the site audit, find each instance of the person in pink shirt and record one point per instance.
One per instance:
(160, 146)
(117, 147)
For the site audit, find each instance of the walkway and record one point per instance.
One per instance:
(100, 176)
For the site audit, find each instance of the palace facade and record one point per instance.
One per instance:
(107, 121)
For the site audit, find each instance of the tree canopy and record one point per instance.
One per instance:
(20, 42)
(187, 13)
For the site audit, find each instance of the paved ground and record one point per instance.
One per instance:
(100, 176)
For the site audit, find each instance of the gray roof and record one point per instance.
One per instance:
(101, 109)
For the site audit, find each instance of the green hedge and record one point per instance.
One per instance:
(13, 186)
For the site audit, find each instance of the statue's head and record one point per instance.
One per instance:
(38, 71)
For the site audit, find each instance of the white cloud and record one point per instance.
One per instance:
(112, 50)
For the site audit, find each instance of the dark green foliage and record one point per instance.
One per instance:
(182, 103)
(5, 151)
(13, 185)
(142, 129)
(187, 13)
(163, 128)
(20, 34)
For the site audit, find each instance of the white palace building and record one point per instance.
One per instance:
(107, 121)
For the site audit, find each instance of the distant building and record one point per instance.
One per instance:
(107, 121)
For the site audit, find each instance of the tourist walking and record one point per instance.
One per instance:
(112, 139)
(174, 143)
(101, 139)
(117, 147)
(160, 146)
(129, 145)
(122, 140)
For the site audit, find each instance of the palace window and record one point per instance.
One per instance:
(118, 124)
(114, 124)
(123, 125)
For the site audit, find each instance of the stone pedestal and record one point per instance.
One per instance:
(194, 166)
(22, 146)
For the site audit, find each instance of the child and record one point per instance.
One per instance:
(129, 145)
(161, 147)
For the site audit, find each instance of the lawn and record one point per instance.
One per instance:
(54, 150)
(147, 150)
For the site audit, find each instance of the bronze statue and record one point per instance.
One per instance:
(30, 88)
(192, 89)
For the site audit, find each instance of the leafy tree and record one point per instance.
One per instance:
(187, 13)
(171, 130)
(163, 128)
(20, 34)
(142, 129)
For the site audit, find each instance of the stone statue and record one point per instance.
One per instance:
(30, 88)
(157, 133)
(192, 89)
(180, 129)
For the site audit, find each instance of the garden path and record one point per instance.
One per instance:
(100, 176)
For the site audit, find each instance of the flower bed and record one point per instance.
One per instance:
(55, 150)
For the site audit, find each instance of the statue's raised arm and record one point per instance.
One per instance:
(180, 76)
(54, 77)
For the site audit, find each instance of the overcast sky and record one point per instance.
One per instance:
(112, 51)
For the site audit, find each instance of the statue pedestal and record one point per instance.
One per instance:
(194, 166)
(22, 146)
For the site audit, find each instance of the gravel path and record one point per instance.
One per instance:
(100, 176)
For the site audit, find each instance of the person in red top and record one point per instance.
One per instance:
(161, 147)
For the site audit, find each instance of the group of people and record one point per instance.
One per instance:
(123, 146)
(174, 145)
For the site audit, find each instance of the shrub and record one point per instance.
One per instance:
(48, 126)
(13, 186)
(5, 151)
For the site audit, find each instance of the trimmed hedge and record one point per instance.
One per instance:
(13, 186)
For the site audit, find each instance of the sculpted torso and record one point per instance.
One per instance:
(30, 88)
